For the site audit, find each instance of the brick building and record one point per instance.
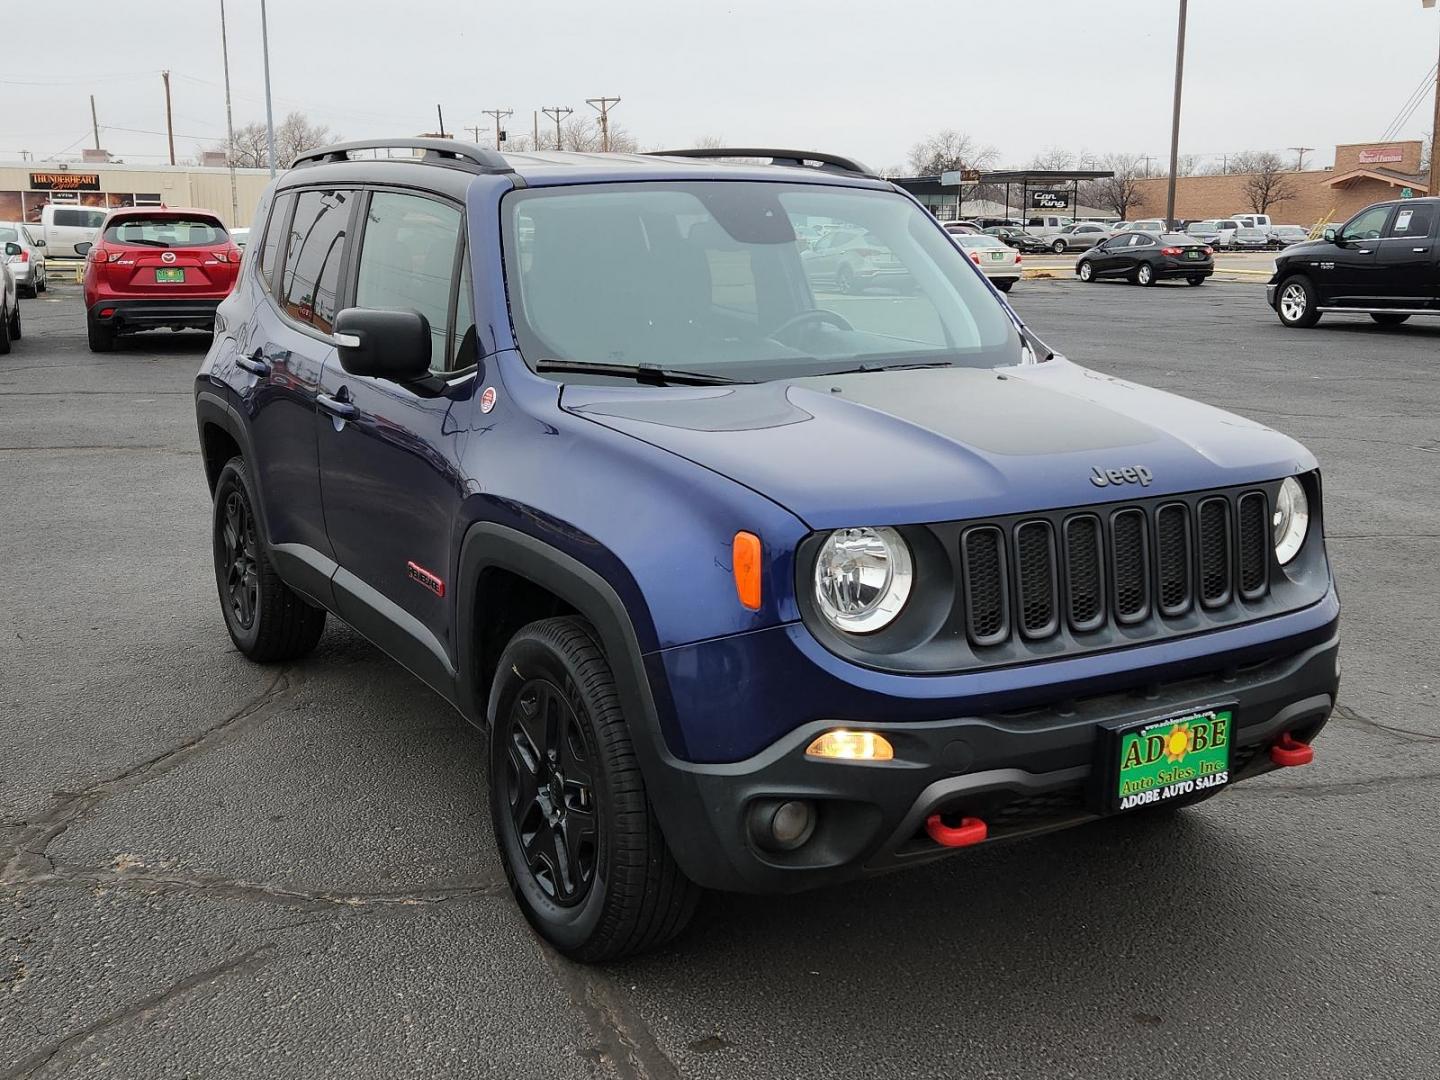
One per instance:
(1363, 173)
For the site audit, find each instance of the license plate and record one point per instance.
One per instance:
(997, 256)
(1193, 254)
(1155, 761)
(169, 275)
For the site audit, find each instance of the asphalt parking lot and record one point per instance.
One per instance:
(209, 868)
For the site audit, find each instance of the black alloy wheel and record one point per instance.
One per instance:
(242, 574)
(550, 792)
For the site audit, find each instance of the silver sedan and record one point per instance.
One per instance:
(27, 267)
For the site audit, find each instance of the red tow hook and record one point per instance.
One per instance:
(1290, 751)
(971, 830)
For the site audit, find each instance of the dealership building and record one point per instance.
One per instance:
(26, 187)
(1362, 174)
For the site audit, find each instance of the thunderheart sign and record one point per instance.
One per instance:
(64, 181)
(1173, 758)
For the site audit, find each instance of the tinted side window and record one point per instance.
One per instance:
(313, 255)
(407, 262)
(1412, 222)
(273, 231)
(1367, 226)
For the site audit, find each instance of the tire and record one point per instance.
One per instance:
(15, 322)
(1296, 303)
(1145, 274)
(30, 291)
(619, 891)
(43, 284)
(1004, 286)
(1059, 247)
(1086, 271)
(101, 338)
(1196, 279)
(267, 620)
(1385, 318)
(4, 332)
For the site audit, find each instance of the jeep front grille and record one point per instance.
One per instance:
(1113, 568)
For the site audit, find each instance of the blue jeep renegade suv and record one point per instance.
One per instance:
(762, 537)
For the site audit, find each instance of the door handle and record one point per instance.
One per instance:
(255, 363)
(1362, 251)
(1420, 251)
(335, 406)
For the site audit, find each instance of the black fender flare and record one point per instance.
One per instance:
(213, 406)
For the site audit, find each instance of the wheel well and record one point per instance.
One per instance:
(218, 446)
(504, 602)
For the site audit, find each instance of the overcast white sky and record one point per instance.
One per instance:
(867, 79)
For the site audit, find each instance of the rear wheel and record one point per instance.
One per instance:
(267, 620)
(4, 331)
(15, 324)
(101, 338)
(1296, 305)
(1144, 274)
(1196, 279)
(1086, 271)
(845, 281)
(1385, 318)
(577, 835)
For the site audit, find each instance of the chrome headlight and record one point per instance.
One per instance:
(1291, 519)
(862, 578)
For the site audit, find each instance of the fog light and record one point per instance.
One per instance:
(782, 825)
(844, 745)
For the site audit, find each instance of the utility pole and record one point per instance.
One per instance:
(441, 117)
(169, 120)
(557, 113)
(535, 129)
(269, 110)
(1300, 152)
(499, 115)
(602, 105)
(94, 123)
(1147, 165)
(1175, 118)
(474, 130)
(1434, 130)
(229, 122)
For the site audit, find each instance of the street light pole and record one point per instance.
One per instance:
(1175, 119)
(269, 112)
(229, 122)
(1434, 130)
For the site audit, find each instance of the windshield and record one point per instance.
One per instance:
(9, 236)
(177, 232)
(710, 277)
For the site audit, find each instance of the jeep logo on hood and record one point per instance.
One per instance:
(1129, 474)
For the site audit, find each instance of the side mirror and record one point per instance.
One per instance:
(39, 243)
(83, 248)
(392, 345)
(12, 249)
(1329, 235)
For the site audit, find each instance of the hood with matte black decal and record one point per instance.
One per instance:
(949, 443)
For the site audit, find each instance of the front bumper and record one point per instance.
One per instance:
(151, 314)
(1272, 296)
(1022, 771)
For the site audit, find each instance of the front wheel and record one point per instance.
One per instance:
(15, 323)
(1196, 279)
(1058, 247)
(577, 835)
(1145, 274)
(42, 284)
(267, 620)
(1387, 318)
(1296, 305)
(4, 333)
(1004, 286)
(1086, 271)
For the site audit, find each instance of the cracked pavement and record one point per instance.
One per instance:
(210, 868)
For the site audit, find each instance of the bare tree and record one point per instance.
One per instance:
(293, 136)
(1121, 193)
(1187, 165)
(1267, 184)
(709, 142)
(950, 151)
(1053, 159)
(583, 133)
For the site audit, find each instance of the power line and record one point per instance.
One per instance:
(1300, 152)
(1411, 103)
(557, 113)
(499, 115)
(603, 105)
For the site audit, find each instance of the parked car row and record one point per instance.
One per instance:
(27, 261)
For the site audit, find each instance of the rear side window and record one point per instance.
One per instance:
(85, 219)
(274, 229)
(407, 262)
(167, 231)
(313, 255)
(1412, 222)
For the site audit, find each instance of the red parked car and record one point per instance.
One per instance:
(153, 267)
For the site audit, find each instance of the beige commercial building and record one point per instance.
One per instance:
(26, 187)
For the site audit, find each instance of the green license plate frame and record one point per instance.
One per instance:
(170, 275)
(1157, 760)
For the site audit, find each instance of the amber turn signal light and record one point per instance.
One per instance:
(841, 745)
(745, 554)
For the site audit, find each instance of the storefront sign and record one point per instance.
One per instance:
(1049, 200)
(1375, 155)
(956, 177)
(64, 181)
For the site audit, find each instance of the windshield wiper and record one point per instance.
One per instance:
(649, 374)
(862, 368)
(148, 243)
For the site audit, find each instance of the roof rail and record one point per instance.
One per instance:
(803, 158)
(451, 152)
